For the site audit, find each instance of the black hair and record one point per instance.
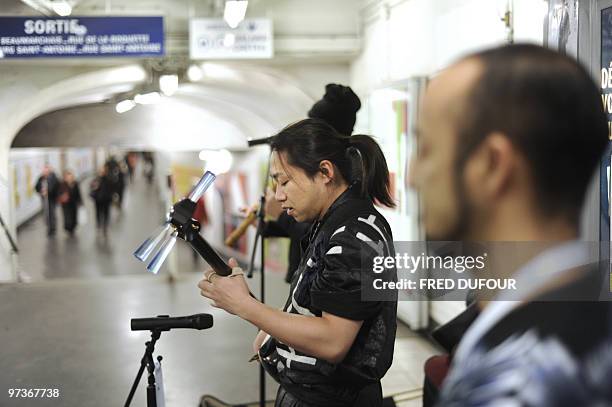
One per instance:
(310, 141)
(338, 107)
(550, 109)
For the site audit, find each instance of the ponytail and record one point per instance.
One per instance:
(375, 175)
(359, 159)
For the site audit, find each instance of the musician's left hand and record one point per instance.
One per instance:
(230, 293)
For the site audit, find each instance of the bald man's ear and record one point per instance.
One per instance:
(491, 167)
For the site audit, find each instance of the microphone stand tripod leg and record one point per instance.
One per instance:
(146, 361)
(151, 393)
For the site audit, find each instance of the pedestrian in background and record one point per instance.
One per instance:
(70, 199)
(101, 190)
(47, 187)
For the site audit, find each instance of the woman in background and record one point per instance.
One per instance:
(70, 199)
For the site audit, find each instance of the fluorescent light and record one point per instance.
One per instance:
(234, 13)
(132, 73)
(229, 40)
(218, 71)
(194, 73)
(544, 7)
(147, 98)
(125, 106)
(62, 8)
(217, 161)
(168, 84)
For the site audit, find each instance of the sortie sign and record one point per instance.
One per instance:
(35, 37)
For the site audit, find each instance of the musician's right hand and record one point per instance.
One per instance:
(259, 341)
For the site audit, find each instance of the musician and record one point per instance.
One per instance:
(326, 347)
(338, 107)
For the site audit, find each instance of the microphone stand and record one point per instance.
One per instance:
(261, 215)
(147, 361)
(14, 250)
(9, 237)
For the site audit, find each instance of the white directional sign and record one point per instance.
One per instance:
(212, 38)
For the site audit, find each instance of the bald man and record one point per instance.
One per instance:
(508, 142)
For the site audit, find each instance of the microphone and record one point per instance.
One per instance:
(165, 323)
(260, 141)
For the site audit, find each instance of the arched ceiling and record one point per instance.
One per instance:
(234, 101)
(222, 111)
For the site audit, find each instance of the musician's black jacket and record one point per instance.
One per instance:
(329, 279)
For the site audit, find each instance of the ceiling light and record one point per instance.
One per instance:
(219, 71)
(62, 8)
(217, 161)
(194, 73)
(147, 98)
(125, 106)
(229, 40)
(234, 13)
(168, 84)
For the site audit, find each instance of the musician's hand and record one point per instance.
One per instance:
(273, 207)
(259, 341)
(230, 293)
(247, 210)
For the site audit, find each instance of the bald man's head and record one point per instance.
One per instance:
(545, 108)
(550, 108)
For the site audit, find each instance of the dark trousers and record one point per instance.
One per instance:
(49, 213)
(370, 396)
(70, 216)
(102, 213)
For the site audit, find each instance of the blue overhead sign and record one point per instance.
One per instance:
(27, 37)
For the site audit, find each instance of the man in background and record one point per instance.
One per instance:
(47, 186)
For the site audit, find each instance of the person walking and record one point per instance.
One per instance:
(47, 187)
(70, 199)
(101, 190)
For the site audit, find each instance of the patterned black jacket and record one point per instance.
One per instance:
(336, 255)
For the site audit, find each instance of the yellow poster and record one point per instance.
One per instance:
(16, 196)
(184, 177)
(29, 183)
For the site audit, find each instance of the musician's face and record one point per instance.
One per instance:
(299, 195)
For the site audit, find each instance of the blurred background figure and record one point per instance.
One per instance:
(117, 179)
(338, 108)
(47, 187)
(101, 190)
(70, 199)
(148, 166)
(130, 163)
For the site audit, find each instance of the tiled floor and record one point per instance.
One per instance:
(72, 333)
(88, 254)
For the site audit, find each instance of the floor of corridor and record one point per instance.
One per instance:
(68, 328)
(87, 253)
